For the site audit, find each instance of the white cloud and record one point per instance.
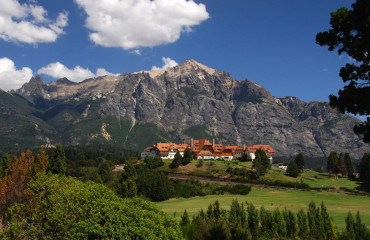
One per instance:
(168, 62)
(77, 74)
(10, 77)
(28, 23)
(137, 52)
(140, 23)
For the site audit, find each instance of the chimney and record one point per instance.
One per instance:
(191, 143)
(213, 142)
(244, 147)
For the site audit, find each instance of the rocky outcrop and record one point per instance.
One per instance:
(192, 100)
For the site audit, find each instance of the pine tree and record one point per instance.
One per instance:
(302, 224)
(266, 223)
(349, 165)
(342, 165)
(57, 161)
(185, 219)
(360, 229)
(253, 220)
(364, 168)
(330, 231)
(4, 164)
(332, 163)
(290, 222)
(188, 156)
(261, 163)
(292, 169)
(350, 226)
(176, 161)
(299, 160)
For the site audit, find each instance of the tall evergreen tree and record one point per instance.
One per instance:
(253, 220)
(185, 219)
(264, 158)
(266, 223)
(188, 156)
(330, 231)
(349, 34)
(349, 165)
(332, 163)
(57, 161)
(290, 222)
(364, 168)
(4, 164)
(299, 160)
(342, 165)
(261, 162)
(302, 224)
(176, 161)
(292, 169)
(361, 231)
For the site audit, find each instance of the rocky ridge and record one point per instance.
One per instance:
(189, 100)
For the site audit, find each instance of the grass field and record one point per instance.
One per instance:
(338, 204)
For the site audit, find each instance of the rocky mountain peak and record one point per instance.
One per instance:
(35, 87)
(65, 81)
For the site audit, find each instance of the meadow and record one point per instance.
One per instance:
(338, 204)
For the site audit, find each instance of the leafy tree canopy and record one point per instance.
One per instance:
(65, 208)
(350, 34)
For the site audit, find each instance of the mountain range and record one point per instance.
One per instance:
(190, 100)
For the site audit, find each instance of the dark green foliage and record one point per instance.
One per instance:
(188, 156)
(264, 158)
(237, 214)
(251, 223)
(349, 34)
(333, 163)
(253, 220)
(187, 189)
(364, 168)
(105, 171)
(342, 165)
(65, 208)
(57, 161)
(261, 163)
(302, 224)
(4, 164)
(292, 169)
(299, 160)
(238, 189)
(154, 185)
(266, 223)
(185, 219)
(290, 221)
(349, 165)
(153, 163)
(176, 161)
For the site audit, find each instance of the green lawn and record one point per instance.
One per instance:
(315, 179)
(338, 204)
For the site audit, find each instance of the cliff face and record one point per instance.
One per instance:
(189, 100)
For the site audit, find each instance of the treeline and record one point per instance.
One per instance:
(137, 179)
(248, 222)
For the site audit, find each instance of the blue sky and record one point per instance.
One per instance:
(271, 42)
